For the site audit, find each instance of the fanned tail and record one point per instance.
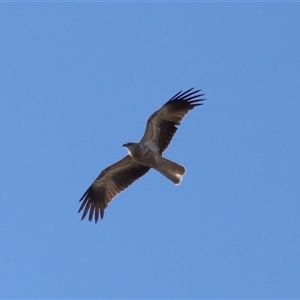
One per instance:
(170, 169)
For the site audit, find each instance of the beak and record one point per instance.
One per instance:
(124, 145)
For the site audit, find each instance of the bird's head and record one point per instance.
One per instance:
(129, 146)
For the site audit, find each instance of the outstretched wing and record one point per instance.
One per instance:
(108, 184)
(161, 126)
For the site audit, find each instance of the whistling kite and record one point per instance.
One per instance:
(142, 156)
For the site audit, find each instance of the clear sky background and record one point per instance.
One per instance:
(78, 80)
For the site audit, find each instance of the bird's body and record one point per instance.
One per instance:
(143, 153)
(147, 154)
(161, 126)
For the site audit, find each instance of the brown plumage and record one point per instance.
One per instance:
(161, 125)
(160, 129)
(109, 183)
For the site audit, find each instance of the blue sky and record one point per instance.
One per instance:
(80, 79)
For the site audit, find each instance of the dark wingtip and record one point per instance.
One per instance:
(97, 214)
(192, 96)
(92, 205)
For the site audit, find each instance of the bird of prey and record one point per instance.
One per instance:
(142, 156)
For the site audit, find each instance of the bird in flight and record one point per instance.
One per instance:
(142, 156)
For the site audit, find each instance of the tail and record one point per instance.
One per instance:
(170, 169)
